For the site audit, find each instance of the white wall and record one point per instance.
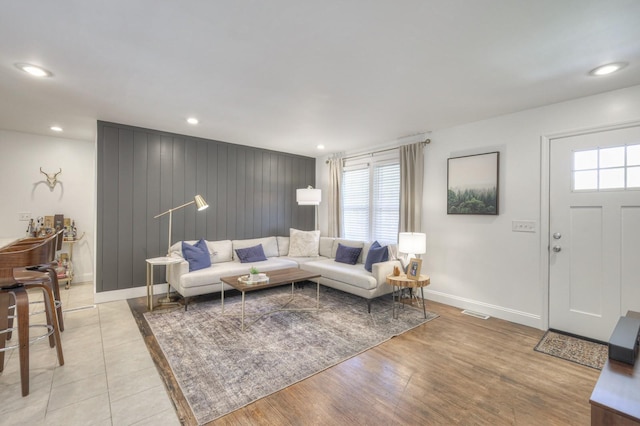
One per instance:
(23, 188)
(477, 262)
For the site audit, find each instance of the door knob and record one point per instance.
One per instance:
(557, 249)
(557, 236)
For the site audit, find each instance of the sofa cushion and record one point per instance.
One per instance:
(300, 260)
(269, 245)
(348, 243)
(303, 243)
(197, 255)
(221, 251)
(326, 246)
(251, 254)
(283, 246)
(354, 275)
(345, 254)
(212, 275)
(376, 254)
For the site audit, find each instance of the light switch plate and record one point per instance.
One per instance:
(523, 226)
(24, 216)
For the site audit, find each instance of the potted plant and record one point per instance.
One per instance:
(254, 274)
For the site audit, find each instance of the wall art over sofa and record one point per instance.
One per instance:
(472, 184)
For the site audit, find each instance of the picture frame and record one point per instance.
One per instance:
(473, 184)
(413, 269)
(58, 221)
(48, 222)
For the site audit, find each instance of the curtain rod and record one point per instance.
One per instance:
(425, 142)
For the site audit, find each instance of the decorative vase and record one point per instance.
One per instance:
(254, 277)
(396, 271)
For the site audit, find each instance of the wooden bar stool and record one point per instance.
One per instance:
(9, 288)
(42, 274)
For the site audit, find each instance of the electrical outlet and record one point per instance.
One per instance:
(523, 226)
(24, 216)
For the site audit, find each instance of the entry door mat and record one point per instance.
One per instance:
(574, 349)
(219, 368)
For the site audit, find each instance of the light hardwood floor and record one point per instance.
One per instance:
(455, 369)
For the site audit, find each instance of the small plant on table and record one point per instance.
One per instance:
(255, 274)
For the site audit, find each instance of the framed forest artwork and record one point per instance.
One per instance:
(472, 184)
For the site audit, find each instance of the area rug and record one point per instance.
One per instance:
(219, 368)
(574, 349)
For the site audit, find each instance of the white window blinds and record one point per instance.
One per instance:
(386, 203)
(355, 203)
(371, 198)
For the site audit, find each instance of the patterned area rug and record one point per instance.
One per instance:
(573, 349)
(220, 369)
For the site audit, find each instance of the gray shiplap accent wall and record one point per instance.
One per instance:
(143, 172)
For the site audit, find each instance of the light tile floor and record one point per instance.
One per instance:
(108, 377)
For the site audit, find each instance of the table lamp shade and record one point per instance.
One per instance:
(308, 196)
(412, 242)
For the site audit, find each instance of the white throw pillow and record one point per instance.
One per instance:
(303, 243)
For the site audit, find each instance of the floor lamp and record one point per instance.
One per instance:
(200, 203)
(309, 196)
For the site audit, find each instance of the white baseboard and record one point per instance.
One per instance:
(129, 293)
(508, 314)
(87, 276)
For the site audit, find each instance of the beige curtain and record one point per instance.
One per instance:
(411, 182)
(335, 182)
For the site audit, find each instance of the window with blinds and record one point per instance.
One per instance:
(371, 198)
(355, 203)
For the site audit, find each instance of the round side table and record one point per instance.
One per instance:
(401, 281)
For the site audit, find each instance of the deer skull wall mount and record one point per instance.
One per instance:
(52, 178)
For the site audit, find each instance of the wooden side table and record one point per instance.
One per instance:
(157, 261)
(401, 281)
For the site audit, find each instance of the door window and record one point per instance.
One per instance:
(615, 168)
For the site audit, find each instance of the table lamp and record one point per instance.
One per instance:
(412, 243)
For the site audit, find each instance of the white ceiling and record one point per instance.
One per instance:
(291, 74)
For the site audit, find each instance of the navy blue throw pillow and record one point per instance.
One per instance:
(251, 254)
(197, 255)
(376, 254)
(346, 254)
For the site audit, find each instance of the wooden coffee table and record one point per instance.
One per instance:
(277, 278)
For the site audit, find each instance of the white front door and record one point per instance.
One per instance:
(594, 224)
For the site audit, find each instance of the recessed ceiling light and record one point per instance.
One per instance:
(320, 146)
(34, 70)
(56, 128)
(192, 120)
(608, 68)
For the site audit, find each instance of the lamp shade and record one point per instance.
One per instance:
(201, 204)
(412, 242)
(308, 196)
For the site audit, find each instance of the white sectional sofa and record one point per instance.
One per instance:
(353, 279)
